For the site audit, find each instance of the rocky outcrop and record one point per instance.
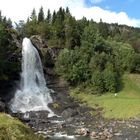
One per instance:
(47, 54)
(16, 40)
(38, 41)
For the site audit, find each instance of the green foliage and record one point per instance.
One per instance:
(44, 30)
(97, 62)
(33, 15)
(8, 64)
(111, 79)
(41, 15)
(97, 82)
(71, 33)
(124, 55)
(49, 16)
(103, 29)
(123, 106)
(90, 33)
(72, 66)
(94, 54)
(30, 28)
(135, 67)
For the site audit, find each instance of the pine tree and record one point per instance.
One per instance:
(54, 17)
(0, 17)
(67, 10)
(103, 29)
(9, 23)
(33, 15)
(70, 31)
(41, 15)
(49, 16)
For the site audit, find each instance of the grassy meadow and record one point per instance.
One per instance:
(123, 106)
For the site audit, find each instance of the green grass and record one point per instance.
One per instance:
(13, 129)
(125, 105)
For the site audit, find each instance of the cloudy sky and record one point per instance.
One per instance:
(110, 11)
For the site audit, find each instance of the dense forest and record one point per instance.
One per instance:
(9, 64)
(93, 55)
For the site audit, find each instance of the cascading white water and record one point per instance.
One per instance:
(33, 94)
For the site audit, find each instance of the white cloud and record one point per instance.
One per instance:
(20, 10)
(96, 1)
(97, 13)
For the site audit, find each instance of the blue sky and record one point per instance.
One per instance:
(110, 11)
(131, 7)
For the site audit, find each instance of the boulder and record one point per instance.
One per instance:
(93, 134)
(82, 131)
(69, 112)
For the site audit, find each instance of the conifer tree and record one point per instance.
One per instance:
(49, 16)
(33, 15)
(41, 15)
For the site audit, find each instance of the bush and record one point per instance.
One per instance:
(110, 79)
(72, 66)
(97, 82)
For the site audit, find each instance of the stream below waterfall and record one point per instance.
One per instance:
(74, 121)
(80, 128)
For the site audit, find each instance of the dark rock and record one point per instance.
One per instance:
(72, 105)
(41, 115)
(2, 106)
(16, 40)
(47, 54)
(70, 120)
(50, 56)
(67, 113)
(38, 41)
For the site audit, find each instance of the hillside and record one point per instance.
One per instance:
(125, 105)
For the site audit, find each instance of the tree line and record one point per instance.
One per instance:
(94, 55)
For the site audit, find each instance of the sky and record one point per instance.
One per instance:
(110, 11)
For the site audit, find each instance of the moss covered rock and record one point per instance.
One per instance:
(13, 129)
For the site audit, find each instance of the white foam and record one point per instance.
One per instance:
(60, 135)
(33, 94)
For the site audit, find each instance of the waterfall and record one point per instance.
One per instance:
(33, 94)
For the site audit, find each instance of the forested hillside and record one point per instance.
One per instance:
(9, 63)
(94, 55)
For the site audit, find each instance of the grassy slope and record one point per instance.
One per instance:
(13, 129)
(125, 105)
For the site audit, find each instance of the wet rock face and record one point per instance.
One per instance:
(17, 40)
(67, 113)
(47, 54)
(38, 41)
(2, 106)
